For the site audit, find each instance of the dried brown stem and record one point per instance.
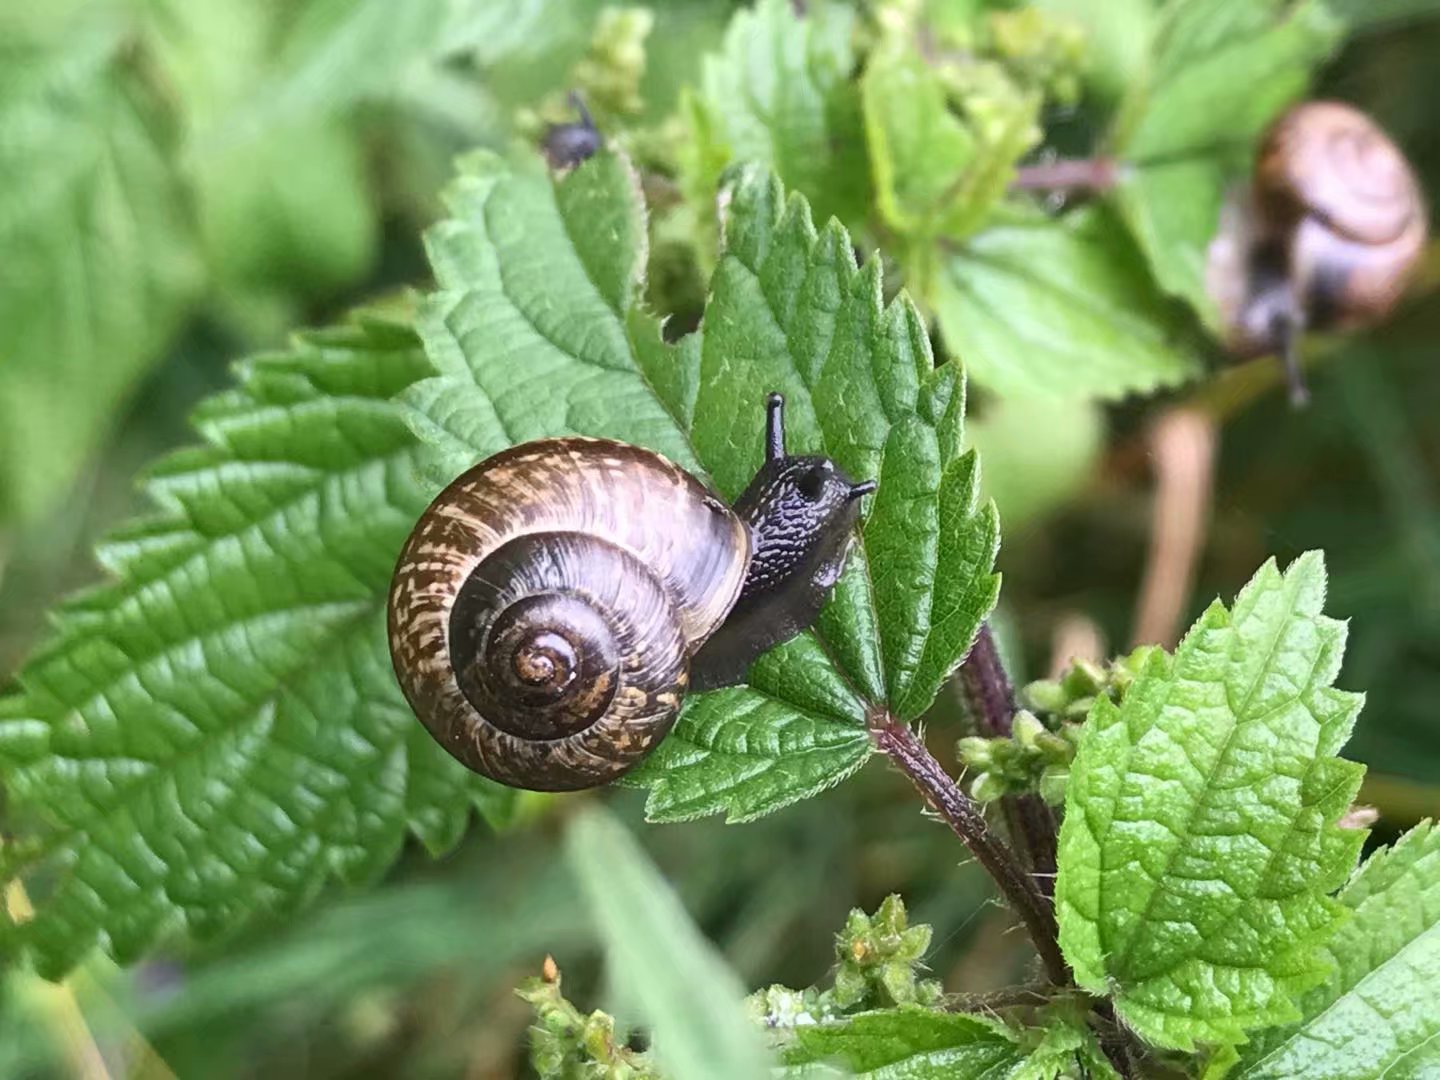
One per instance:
(1182, 445)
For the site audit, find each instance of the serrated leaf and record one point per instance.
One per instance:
(536, 332)
(1199, 843)
(909, 1041)
(779, 93)
(660, 960)
(97, 265)
(1375, 1015)
(1059, 309)
(747, 751)
(217, 732)
(1223, 69)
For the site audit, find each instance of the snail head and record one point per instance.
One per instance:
(801, 511)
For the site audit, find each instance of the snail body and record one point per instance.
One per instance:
(555, 602)
(1326, 237)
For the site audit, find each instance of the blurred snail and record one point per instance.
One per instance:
(1326, 237)
(555, 602)
(567, 145)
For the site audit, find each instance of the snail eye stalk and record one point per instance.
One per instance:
(775, 427)
(860, 490)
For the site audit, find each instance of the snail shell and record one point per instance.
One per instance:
(1327, 236)
(1331, 179)
(545, 608)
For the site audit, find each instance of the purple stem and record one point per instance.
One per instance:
(992, 699)
(967, 821)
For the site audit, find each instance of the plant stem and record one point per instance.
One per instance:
(966, 821)
(1031, 822)
(1098, 174)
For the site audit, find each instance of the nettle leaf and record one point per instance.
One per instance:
(217, 732)
(536, 332)
(910, 1041)
(1199, 842)
(1375, 1015)
(780, 93)
(918, 145)
(97, 264)
(1222, 71)
(1060, 309)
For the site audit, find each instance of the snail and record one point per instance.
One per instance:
(1325, 238)
(555, 602)
(568, 145)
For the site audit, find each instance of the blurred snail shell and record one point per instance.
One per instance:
(568, 145)
(555, 602)
(1326, 238)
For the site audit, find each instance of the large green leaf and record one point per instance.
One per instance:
(780, 93)
(660, 961)
(1375, 1016)
(96, 263)
(1059, 309)
(535, 332)
(1221, 71)
(217, 732)
(1199, 843)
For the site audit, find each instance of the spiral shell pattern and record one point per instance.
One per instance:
(544, 610)
(1327, 160)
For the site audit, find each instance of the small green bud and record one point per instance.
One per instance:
(1052, 784)
(987, 787)
(1045, 695)
(1027, 728)
(974, 752)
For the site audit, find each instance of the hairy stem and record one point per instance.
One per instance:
(1098, 175)
(987, 687)
(966, 821)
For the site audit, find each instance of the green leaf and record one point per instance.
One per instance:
(1365, 15)
(1222, 70)
(290, 210)
(535, 332)
(909, 1041)
(747, 751)
(99, 266)
(1059, 309)
(287, 209)
(918, 147)
(780, 93)
(659, 960)
(1173, 208)
(1199, 842)
(1066, 1048)
(217, 732)
(1117, 39)
(1375, 1015)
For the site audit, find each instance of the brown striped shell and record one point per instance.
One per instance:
(1332, 228)
(545, 608)
(1354, 207)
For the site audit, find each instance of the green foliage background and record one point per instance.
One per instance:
(184, 183)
